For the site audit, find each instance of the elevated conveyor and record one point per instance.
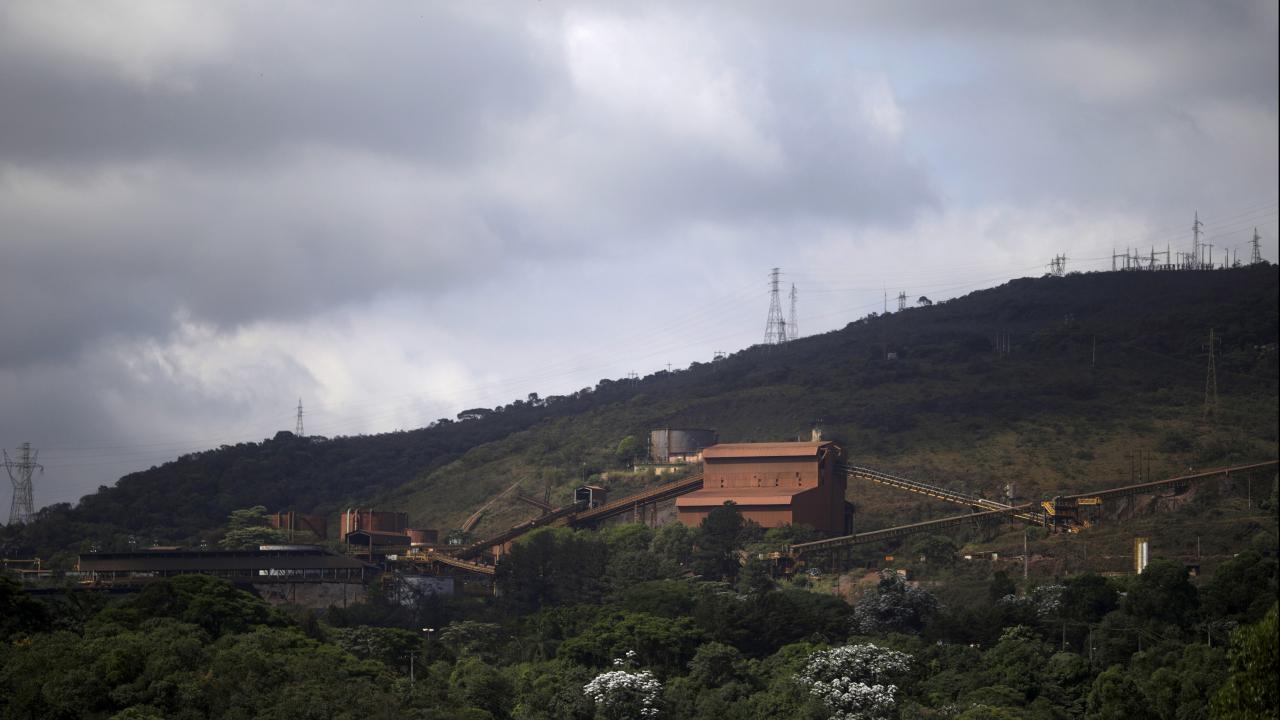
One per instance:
(436, 558)
(516, 531)
(1173, 483)
(588, 518)
(1016, 511)
(901, 530)
(855, 472)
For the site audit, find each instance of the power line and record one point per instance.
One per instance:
(793, 326)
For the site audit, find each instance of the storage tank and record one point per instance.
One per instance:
(369, 520)
(679, 444)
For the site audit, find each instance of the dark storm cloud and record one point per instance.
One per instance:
(322, 159)
(208, 209)
(427, 85)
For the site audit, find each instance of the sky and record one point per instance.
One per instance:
(395, 211)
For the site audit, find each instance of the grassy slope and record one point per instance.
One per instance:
(948, 411)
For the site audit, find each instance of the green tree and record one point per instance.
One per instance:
(19, 614)
(248, 528)
(215, 605)
(754, 578)
(1242, 588)
(1115, 696)
(629, 450)
(1163, 593)
(673, 544)
(719, 538)
(893, 606)
(1250, 692)
(552, 566)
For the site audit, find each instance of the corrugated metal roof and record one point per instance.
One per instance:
(212, 561)
(740, 496)
(775, 449)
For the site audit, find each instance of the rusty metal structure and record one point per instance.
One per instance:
(368, 519)
(294, 523)
(372, 533)
(773, 484)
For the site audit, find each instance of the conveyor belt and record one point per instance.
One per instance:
(516, 531)
(1169, 483)
(855, 472)
(627, 504)
(451, 561)
(1018, 511)
(900, 530)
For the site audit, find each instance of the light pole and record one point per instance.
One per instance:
(428, 631)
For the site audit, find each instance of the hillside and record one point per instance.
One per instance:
(1045, 417)
(948, 410)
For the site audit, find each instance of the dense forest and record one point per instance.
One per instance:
(1099, 366)
(631, 622)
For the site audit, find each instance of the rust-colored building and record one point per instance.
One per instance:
(293, 523)
(370, 533)
(773, 484)
(378, 521)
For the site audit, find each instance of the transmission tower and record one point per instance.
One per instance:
(793, 326)
(1257, 249)
(1211, 382)
(775, 328)
(1058, 265)
(902, 300)
(297, 429)
(22, 509)
(1196, 250)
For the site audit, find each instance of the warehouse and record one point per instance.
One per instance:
(773, 484)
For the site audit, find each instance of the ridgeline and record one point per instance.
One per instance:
(1099, 367)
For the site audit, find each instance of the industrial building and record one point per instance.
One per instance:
(296, 524)
(279, 563)
(371, 533)
(773, 484)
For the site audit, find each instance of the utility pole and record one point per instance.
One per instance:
(775, 327)
(297, 428)
(1024, 554)
(1211, 382)
(793, 327)
(23, 508)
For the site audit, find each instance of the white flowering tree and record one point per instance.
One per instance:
(853, 680)
(624, 694)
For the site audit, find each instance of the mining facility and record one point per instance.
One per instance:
(770, 483)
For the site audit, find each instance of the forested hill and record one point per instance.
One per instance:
(1098, 366)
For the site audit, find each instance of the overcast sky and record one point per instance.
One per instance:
(395, 211)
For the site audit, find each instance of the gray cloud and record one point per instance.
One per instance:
(210, 209)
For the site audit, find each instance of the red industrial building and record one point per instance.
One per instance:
(381, 532)
(773, 484)
(294, 523)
